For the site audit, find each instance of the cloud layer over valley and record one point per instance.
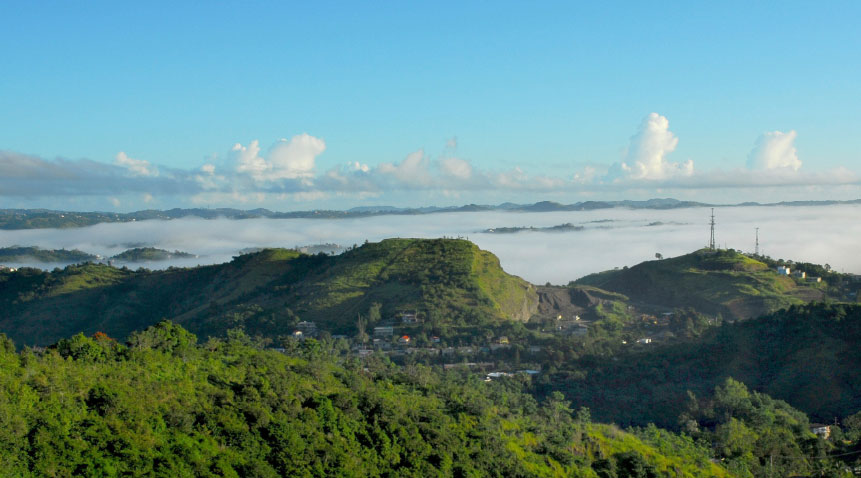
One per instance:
(610, 237)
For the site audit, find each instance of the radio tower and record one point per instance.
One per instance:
(712, 224)
(756, 251)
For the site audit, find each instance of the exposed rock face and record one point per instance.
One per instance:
(556, 301)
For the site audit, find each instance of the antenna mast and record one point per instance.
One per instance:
(712, 224)
(756, 251)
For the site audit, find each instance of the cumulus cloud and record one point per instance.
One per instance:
(413, 170)
(286, 159)
(775, 150)
(456, 168)
(287, 171)
(137, 167)
(646, 158)
(357, 166)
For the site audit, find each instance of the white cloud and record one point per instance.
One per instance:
(138, 167)
(646, 158)
(413, 170)
(775, 150)
(295, 158)
(248, 159)
(357, 166)
(586, 176)
(286, 171)
(456, 168)
(286, 159)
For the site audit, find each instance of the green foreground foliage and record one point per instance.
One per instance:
(161, 405)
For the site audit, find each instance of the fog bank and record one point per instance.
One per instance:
(610, 238)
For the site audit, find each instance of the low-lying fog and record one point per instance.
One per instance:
(611, 238)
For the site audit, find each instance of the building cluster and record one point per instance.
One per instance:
(787, 271)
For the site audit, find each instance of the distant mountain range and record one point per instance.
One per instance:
(46, 218)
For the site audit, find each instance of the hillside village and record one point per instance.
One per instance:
(405, 336)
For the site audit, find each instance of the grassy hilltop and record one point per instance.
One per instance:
(713, 282)
(450, 282)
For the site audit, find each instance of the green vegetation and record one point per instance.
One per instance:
(150, 254)
(755, 435)
(452, 284)
(26, 254)
(721, 282)
(160, 405)
(805, 355)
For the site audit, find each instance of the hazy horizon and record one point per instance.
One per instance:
(610, 237)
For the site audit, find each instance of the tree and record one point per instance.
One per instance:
(374, 314)
(361, 329)
(659, 256)
(165, 336)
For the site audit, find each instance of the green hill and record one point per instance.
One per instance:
(32, 253)
(163, 406)
(712, 282)
(451, 283)
(150, 254)
(806, 355)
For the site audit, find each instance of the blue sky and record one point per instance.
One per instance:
(120, 105)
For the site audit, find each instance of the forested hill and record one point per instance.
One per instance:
(163, 406)
(449, 282)
(806, 355)
(713, 282)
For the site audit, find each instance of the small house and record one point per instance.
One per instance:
(496, 375)
(644, 340)
(821, 430)
(404, 339)
(307, 328)
(407, 318)
(579, 330)
(784, 270)
(799, 274)
(814, 279)
(384, 331)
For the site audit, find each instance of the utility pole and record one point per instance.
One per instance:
(712, 224)
(756, 251)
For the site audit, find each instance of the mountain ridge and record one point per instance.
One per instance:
(12, 219)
